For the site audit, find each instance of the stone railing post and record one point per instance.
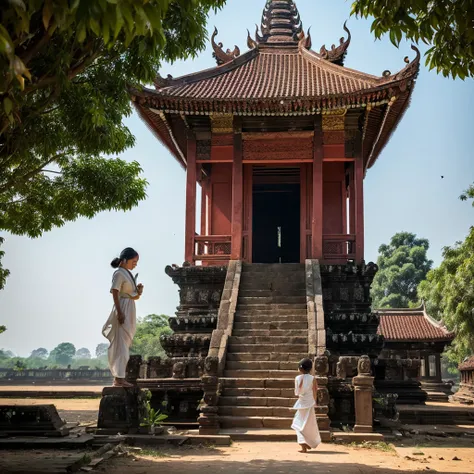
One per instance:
(363, 385)
(209, 418)
(321, 366)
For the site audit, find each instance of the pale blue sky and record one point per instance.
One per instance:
(59, 285)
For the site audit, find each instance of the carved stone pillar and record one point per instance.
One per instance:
(363, 385)
(321, 365)
(209, 418)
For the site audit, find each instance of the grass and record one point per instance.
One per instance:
(154, 453)
(378, 445)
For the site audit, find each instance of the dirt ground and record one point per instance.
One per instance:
(283, 458)
(441, 455)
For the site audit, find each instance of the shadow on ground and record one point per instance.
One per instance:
(178, 466)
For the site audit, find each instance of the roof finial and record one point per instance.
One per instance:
(219, 55)
(337, 54)
(281, 23)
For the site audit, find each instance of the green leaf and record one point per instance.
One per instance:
(7, 105)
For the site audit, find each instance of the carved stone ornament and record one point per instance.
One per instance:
(219, 55)
(363, 367)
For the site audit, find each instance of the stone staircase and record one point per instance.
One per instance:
(269, 338)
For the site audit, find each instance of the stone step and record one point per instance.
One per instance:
(275, 307)
(246, 392)
(299, 314)
(259, 383)
(254, 422)
(260, 325)
(259, 434)
(263, 300)
(276, 348)
(267, 293)
(276, 402)
(266, 356)
(272, 267)
(283, 412)
(261, 374)
(262, 365)
(269, 339)
(270, 332)
(271, 318)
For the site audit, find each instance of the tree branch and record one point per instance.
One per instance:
(15, 180)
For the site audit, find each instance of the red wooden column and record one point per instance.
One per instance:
(191, 175)
(204, 204)
(317, 217)
(237, 192)
(359, 207)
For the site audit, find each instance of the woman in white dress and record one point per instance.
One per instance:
(120, 327)
(304, 422)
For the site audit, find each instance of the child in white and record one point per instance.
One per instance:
(304, 422)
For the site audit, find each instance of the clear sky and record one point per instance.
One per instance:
(58, 290)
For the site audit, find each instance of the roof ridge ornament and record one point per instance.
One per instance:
(219, 55)
(411, 69)
(337, 54)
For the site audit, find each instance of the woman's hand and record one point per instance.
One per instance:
(120, 317)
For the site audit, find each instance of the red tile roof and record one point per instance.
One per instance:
(281, 76)
(292, 81)
(411, 325)
(467, 364)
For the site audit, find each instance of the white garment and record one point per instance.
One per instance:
(304, 422)
(121, 335)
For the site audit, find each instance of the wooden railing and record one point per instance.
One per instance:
(212, 247)
(338, 248)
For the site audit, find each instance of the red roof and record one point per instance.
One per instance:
(467, 364)
(411, 325)
(281, 76)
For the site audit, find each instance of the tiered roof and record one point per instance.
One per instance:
(281, 76)
(411, 325)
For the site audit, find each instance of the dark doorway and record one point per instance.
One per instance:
(276, 223)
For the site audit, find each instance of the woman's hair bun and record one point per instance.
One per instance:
(115, 263)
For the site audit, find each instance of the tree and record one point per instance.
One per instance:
(101, 349)
(403, 264)
(147, 337)
(447, 26)
(449, 293)
(65, 69)
(83, 353)
(2, 329)
(63, 353)
(40, 353)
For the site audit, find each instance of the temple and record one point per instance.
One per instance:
(411, 334)
(278, 139)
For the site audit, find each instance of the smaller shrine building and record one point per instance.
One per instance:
(410, 333)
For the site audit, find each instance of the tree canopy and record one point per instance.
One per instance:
(83, 353)
(445, 25)
(449, 293)
(147, 337)
(65, 69)
(63, 353)
(101, 349)
(40, 353)
(403, 264)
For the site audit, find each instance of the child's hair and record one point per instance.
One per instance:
(305, 365)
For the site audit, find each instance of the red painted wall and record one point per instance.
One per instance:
(221, 199)
(333, 198)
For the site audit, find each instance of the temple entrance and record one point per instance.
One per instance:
(276, 215)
